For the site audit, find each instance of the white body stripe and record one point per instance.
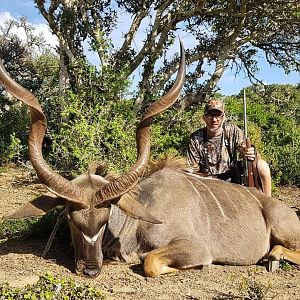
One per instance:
(199, 195)
(253, 197)
(215, 198)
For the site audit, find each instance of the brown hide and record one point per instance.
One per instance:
(203, 221)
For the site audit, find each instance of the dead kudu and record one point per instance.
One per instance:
(170, 219)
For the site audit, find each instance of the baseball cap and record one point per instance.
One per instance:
(214, 104)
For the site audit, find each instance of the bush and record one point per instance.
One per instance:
(13, 131)
(96, 123)
(50, 287)
(94, 132)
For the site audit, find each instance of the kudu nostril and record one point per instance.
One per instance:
(91, 272)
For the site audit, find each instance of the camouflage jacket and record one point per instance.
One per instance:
(216, 155)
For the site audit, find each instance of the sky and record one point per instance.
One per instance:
(229, 83)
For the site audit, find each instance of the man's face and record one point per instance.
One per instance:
(213, 120)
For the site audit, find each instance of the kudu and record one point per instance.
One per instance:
(171, 219)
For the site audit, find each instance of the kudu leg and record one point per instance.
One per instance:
(278, 253)
(285, 232)
(177, 255)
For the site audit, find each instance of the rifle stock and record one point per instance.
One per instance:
(249, 167)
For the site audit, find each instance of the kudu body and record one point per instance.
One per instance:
(171, 219)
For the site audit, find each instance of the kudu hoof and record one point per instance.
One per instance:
(273, 265)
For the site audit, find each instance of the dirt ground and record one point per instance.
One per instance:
(21, 263)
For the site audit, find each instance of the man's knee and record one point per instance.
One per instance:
(263, 169)
(265, 176)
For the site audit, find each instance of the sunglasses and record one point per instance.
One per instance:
(211, 116)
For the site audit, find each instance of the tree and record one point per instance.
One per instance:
(17, 53)
(225, 34)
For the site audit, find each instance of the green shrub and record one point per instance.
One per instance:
(96, 123)
(15, 149)
(14, 126)
(49, 287)
(17, 228)
(94, 132)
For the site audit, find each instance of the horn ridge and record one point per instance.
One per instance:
(117, 187)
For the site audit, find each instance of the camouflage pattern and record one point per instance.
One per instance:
(216, 155)
(214, 104)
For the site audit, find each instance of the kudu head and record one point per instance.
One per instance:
(88, 198)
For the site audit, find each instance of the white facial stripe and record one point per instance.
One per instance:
(91, 240)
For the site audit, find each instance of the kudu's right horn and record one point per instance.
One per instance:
(124, 183)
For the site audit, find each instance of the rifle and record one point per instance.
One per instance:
(249, 164)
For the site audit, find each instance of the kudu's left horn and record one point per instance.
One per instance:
(53, 181)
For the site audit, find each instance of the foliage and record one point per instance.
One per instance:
(14, 124)
(285, 265)
(17, 228)
(13, 131)
(46, 68)
(50, 287)
(170, 131)
(34, 66)
(18, 53)
(96, 125)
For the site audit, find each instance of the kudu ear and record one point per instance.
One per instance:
(37, 207)
(134, 209)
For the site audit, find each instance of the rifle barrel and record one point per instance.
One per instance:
(248, 163)
(245, 116)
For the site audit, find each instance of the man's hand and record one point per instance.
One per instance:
(248, 153)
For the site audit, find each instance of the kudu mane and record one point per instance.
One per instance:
(170, 161)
